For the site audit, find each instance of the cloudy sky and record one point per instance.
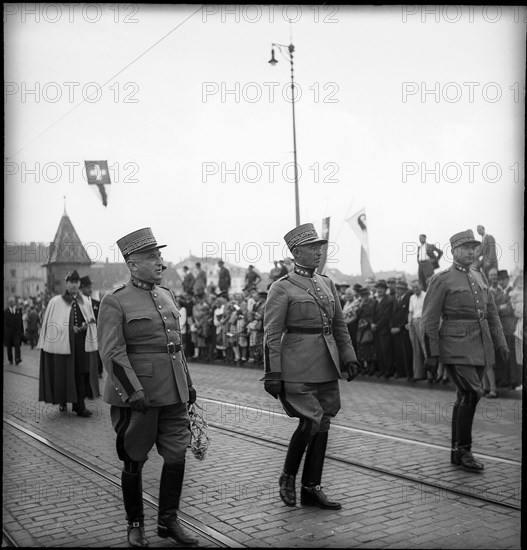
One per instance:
(414, 113)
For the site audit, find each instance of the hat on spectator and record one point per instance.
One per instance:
(357, 287)
(141, 240)
(72, 276)
(381, 283)
(85, 281)
(391, 280)
(402, 284)
(301, 235)
(464, 237)
(503, 274)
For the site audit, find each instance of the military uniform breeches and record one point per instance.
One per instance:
(314, 403)
(168, 427)
(467, 379)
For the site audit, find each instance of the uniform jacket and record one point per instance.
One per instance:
(13, 324)
(305, 357)
(141, 316)
(460, 320)
(382, 314)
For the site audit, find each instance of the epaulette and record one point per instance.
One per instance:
(442, 272)
(117, 288)
(283, 278)
(323, 275)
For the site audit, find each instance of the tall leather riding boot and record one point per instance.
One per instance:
(132, 486)
(170, 488)
(453, 447)
(463, 455)
(311, 493)
(295, 452)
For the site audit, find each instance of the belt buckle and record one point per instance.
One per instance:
(171, 347)
(481, 315)
(326, 330)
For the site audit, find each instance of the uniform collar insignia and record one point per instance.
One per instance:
(304, 271)
(142, 284)
(461, 268)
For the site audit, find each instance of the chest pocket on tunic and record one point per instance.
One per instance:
(302, 308)
(137, 324)
(461, 297)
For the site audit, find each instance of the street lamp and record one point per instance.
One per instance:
(273, 61)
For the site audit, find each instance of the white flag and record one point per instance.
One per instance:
(360, 228)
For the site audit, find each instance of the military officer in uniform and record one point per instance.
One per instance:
(148, 384)
(307, 350)
(462, 331)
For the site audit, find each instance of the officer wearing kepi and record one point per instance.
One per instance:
(148, 384)
(462, 331)
(307, 350)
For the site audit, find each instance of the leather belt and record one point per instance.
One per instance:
(150, 348)
(455, 317)
(306, 330)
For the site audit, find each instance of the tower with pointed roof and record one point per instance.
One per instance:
(66, 253)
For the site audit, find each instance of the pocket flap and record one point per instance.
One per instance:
(136, 315)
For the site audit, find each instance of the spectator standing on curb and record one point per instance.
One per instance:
(13, 330)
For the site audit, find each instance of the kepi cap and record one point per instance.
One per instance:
(301, 235)
(464, 237)
(141, 240)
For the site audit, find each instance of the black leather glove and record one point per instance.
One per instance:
(139, 401)
(502, 355)
(191, 395)
(432, 364)
(353, 370)
(273, 387)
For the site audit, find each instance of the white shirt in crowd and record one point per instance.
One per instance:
(416, 305)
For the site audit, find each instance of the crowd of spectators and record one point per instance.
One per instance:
(383, 318)
(384, 321)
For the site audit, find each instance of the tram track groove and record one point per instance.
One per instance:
(208, 533)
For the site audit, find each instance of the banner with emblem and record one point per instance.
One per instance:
(324, 234)
(358, 224)
(98, 174)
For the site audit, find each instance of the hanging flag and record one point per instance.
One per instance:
(98, 174)
(360, 228)
(324, 235)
